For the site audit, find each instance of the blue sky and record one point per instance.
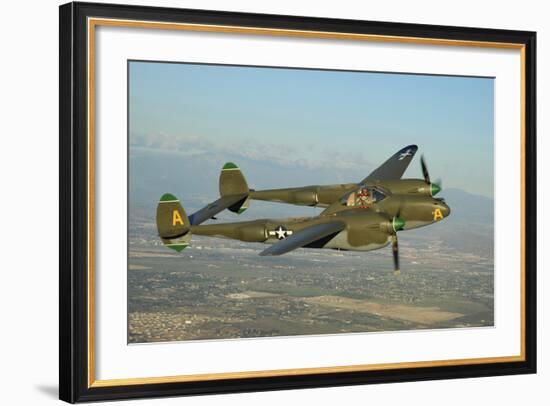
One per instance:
(319, 118)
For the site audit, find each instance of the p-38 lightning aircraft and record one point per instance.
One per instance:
(360, 216)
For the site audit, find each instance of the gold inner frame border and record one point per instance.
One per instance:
(94, 22)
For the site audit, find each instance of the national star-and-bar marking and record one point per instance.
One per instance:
(405, 154)
(280, 232)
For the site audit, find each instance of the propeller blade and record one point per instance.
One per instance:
(435, 187)
(395, 252)
(425, 172)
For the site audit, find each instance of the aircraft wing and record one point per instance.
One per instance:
(215, 207)
(304, 237)
(395, 166)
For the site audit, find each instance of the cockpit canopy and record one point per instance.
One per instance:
(363, 197)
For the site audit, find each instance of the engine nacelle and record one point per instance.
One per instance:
(306, 196)
(252, 232)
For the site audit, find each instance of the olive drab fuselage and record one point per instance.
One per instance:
(324, 196)
(366, 228)
(357, 216)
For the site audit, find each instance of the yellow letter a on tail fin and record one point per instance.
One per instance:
(176, 218)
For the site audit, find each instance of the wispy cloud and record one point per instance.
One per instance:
(310, 157)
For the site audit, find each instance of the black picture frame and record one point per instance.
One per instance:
(74, 385)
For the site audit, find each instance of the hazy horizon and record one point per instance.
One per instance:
(350, 121)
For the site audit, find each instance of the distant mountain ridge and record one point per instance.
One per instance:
(193, 178)
(469, 208)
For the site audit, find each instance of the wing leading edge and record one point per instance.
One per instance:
(304, 237)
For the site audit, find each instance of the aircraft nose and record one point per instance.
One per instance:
(445, 209)
(440, 209)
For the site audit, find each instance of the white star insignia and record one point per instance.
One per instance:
(405, 154)
(280, 232)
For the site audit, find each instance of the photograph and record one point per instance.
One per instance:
(274, 201)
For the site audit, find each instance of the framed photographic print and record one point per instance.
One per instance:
(256, 202)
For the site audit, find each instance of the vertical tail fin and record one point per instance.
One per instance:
(172, 223)
(232, 182)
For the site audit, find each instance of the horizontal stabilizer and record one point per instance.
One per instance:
(215, 207)
(304, 237)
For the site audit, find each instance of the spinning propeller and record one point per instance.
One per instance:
(397, 225)
(435, 188)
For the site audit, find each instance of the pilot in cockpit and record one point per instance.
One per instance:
(364, 197)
